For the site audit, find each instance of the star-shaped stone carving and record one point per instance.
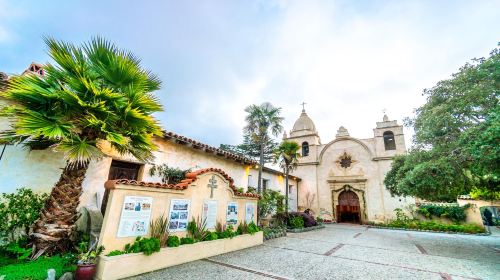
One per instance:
(345, 161)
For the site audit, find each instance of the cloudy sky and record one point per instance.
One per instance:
(348, 60)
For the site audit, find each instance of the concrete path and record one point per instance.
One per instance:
(352, 252)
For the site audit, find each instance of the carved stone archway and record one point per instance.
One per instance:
(358, 187)
(348, 209)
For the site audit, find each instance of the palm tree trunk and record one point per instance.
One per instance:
(261, 163)
(54, 231)
(286, 190)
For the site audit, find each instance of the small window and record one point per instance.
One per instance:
(389, 142)
(250, 183)
(290, 189)
(124, 170)
(265, 184)
(305, 149)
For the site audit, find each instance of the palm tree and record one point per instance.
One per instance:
(287, 155)
(94, 95)
(262, 119)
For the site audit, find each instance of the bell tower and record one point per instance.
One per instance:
(389, 138)
(305, 134)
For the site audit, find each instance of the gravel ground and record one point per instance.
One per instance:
(343, 251)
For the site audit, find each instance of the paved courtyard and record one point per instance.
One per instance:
(345, 251)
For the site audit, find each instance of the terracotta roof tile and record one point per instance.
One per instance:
(207, 148)
(190, 178)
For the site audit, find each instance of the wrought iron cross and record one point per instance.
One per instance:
(212, 185)
(303, 105)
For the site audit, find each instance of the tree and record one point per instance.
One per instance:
(94, 96)
(457, 137)
(287, 155)
(250, 149)
(262, 120)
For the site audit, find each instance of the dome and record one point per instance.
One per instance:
(304, 123)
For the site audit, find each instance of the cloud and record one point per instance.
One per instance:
(8, 13)
(348, 60)
(349, 64)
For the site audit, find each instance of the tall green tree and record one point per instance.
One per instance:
(262, 121)
(287, 156)
(250, 149)
(457, 137)
(93, 96)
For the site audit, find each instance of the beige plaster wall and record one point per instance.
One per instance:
(362, 168)
(474, 213)
(197, 192)
(307, 186)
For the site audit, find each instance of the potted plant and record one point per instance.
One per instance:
(87, 259)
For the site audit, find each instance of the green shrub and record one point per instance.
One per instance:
(211, 236)
(296, 222)
(271, 202)
(253, 228)
(36, 269)
(147, 246)
(187, 240)
(435, 226)
(5, 260)
(18, 211)
(18, 249)
(455, 213)
(273, 232)
(173, 241)
(116, 253)
(225, 232)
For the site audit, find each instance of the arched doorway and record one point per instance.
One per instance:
(348, 210)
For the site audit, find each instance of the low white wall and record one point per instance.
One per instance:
(117, 267)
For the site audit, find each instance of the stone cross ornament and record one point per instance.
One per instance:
(212, 184)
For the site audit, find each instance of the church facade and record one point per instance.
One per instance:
(342, 180)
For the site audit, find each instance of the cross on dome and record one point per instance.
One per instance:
(303, 106)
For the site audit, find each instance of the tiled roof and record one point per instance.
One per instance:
(207, 148)
(182, 185)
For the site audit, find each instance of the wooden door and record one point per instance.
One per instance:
(348, 209)
(120, 170)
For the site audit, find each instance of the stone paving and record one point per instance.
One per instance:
(344, 251)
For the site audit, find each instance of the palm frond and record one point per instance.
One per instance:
(36, 124)
(90, 92)
(79, 151)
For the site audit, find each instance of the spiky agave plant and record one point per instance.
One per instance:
(94, 95)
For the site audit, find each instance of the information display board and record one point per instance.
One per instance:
(210, 213)
(232, 213)
(178, 216)
(135, 216)
(250, 213)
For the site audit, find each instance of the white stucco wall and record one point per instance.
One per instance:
(40, 170)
